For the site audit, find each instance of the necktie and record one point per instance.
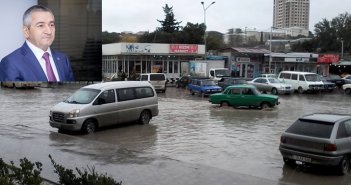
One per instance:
(49, 71)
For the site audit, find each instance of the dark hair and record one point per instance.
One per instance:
(36, 8)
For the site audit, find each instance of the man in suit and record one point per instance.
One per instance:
(35, 60)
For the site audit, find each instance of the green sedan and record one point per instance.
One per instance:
(244, 95)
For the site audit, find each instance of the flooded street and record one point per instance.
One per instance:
(190, 142)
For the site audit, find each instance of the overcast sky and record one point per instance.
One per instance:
(142, 15)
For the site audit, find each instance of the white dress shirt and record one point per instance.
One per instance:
(39, 55)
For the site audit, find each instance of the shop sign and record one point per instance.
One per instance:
(328, 58)
(297, 59)
(137, 48)
(183, 48)
(242, 59)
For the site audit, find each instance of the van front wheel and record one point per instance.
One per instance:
(144, 117)
(300, 90)
(89, 126)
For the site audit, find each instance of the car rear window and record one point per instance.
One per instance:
(157, 77)
(311, 128)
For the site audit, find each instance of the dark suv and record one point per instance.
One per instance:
(318, 139)
(185, 80)
(228, 81)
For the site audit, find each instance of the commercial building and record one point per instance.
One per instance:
(136, 58)
(291, 13)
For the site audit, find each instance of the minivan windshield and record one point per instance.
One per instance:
(83, 96)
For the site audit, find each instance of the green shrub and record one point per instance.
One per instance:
(28, 173)
(87, 176)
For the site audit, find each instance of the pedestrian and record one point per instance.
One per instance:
(35, 60)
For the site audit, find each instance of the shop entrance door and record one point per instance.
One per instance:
(246, 70)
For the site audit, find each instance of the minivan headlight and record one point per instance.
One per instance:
(73, 113)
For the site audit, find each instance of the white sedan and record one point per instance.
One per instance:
(272, 85)
(347, 88)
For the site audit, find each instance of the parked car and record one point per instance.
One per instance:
(185, 80)
(302, 81)
(204, 87)
(347, 79)
(244, 95)
(105, 104)
(228, 81)
(328, 86)
(158, 80)
(335, 79)
(347, 88)
(318, 139)
(272, 85)
(22, 85)
(269, 75)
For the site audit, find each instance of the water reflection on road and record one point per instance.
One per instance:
(188, 129)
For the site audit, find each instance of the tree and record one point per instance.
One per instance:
(169, 24)
(192, 33)
(107, 38)
(214, 40)
(328, 36)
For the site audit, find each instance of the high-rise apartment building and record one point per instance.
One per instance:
(291, 13)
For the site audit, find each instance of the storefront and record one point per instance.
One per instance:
(136, 58)
(306, 62)
(245, 62)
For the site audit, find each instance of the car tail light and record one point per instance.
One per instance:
(283, 139)
(330, 147)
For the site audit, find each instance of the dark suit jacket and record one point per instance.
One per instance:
(22, 65)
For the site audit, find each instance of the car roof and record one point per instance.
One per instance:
(242, 86)
(297, 72)
(326, 117)
(118, 84)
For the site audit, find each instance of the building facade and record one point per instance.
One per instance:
(133, 59)
(291, 13)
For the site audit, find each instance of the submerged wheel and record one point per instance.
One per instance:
(224, 104)
(348, 91)
(265, 105)
(191, 92)
(89, 126)
(344, 166)
(145, 117)
(300, 90)
(274, 91)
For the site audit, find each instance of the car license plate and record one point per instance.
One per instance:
(300, 158)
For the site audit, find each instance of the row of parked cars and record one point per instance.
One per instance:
(260, 92)
(286, 82)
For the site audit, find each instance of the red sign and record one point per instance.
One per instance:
(328, 59)
(183, 48)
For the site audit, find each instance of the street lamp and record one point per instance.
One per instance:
(270, 50)
(203, 6)
(270, 47)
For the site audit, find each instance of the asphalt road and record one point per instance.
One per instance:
(190, 142)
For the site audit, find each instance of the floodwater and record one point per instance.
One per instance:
(190, 142)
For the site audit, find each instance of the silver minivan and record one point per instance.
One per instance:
(158, 80)
(105, 104)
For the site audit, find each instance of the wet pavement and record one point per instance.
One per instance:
(190, 142)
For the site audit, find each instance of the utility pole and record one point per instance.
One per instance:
(203, 6)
